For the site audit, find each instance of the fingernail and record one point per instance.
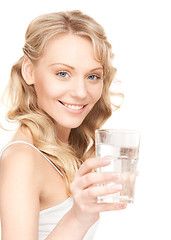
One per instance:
(115, 175)
(107, 160)
(123, 205)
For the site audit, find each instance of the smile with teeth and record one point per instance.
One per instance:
(73, 107)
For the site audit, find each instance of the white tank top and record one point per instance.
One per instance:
(48, 218)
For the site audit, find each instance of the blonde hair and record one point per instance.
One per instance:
(24, 109)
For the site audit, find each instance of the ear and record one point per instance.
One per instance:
(28, 71)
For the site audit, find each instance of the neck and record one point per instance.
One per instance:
(63, 134)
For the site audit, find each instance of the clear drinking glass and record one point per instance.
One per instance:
(122, 147)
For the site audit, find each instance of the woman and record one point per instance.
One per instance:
(59, 95)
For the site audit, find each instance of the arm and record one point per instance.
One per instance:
(85, 211)
(19, 196)
(19, 199)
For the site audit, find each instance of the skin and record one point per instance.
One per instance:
(66, 74)
(77, 81)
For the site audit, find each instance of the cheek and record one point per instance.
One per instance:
(45, 92)
(97, 93)
(44, 86)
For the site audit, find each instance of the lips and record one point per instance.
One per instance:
(73, 106)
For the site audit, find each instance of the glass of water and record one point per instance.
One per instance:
(122, 147)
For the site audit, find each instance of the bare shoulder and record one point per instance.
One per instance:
(19, 190)
(18, 155)
(20, 162)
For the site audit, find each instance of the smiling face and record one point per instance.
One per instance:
(68, 81)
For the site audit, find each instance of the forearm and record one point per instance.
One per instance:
(68, 228)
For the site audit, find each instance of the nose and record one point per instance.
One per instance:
(79, 88)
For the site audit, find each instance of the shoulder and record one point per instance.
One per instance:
(19, 173)
(19, 161)
(19, 189)
(18, 154)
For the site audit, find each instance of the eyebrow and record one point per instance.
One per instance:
(66, 65)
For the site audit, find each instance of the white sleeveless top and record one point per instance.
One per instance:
(48, 218)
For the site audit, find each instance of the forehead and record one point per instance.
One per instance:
(70, 49)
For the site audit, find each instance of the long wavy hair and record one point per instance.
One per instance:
(23, 100)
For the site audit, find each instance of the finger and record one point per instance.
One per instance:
(91, 194)
(92, 179)
(92, 163)
(104, 207)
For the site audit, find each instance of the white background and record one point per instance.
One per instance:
(140, 34)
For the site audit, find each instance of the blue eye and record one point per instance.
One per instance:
(93, 77)
(62, 74)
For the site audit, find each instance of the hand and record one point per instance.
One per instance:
(85, 190)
